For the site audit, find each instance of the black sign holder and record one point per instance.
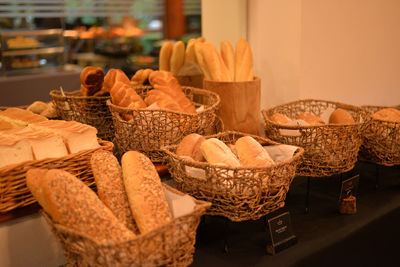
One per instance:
(281, 234)
(349, 187)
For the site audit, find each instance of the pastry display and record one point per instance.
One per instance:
(22, 42)
(387, 114)
(25, 62)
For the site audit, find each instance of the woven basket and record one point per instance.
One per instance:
(13, 190)
(329, 149)
(149, 130)
(169, 245)
(90, 110)
(381, 140)
(237, 193)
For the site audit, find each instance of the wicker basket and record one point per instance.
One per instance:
(149, 130)
(169, 245)
(237, 193)
(381, 140)
(329, 149)
(13, 190)
(89, 110)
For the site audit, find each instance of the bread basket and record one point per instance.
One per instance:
(91, 110)
(237, 193)
(171, 244)
(381, 140)
(13, 190)
(329, 149)
(149, 130)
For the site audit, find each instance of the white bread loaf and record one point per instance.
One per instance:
(341, 116)
(14, 150)
(145, 192)
(110, 186)
(43, 144)
(77, 136)
(251, 153)
(73, 204)
(20, 117)
(216, 152)
(190, 146)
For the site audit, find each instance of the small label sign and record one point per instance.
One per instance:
(349, 187)
(281, 233)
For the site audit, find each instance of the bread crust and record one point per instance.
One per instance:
(217, 152)
(165, 56)
(243, 61)
(251, 153)
(190, 146)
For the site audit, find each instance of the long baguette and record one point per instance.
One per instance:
(228, 56)
(201, 61)
(215, 64)
(165, 56)
(177, 57)
(243, 61)
(145, 193)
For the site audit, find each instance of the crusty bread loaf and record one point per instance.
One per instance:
(165, 56)
(216, 152)
(215, 64)
(113, 76)
(310, 118)
(387, 114)
(190, 55)
(166, 82)
(145, 193)
(163, 100)
(341, 116)
(92, 79)
(177, 57)
(243, 61)
(190, 146)
(74, 205)
(280, 118)
(251, 153)
(228, 56)
(141, 77)
(20, 117)
(110, 186)
(201, 61)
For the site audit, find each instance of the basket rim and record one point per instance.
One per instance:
(197, 164)
(103, 144)
(199, 207)
(193, 89)
(365, 117)
(256, 79)
(68, 95)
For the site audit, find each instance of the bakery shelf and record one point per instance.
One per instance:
(50, 50)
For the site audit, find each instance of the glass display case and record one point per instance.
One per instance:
(31, 51)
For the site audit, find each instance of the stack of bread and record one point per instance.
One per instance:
(26, 136)
(174, 56)
(166, 95)
(130, 200)
(338, 116)
(245, 152)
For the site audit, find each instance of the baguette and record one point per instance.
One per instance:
(165, 56)
(251, 153)
(145, 192)
(243, 61)
(214, 62)
(201, 61)
(228, 56)
(74, 205)
(216, 152)
(177, 57)
(190, 55)
(190, 146)
(107, 174)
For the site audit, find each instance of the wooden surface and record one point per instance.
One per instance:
(240, 104)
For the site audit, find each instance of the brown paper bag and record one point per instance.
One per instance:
(240, 104)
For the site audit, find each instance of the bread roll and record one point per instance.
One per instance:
(113, 76)
(92, 79)
(216, 152)
(228, 56)
(107, 174)
(341, 116)
(166, 82)
(165, 56)
(280, 118)
(74, 205)
(310, 118)
(145, 192)
(190, 146)
(251, 153)
(387, 114)
(163, 100)
(177, 57)
(243, 61)
(37, 107)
